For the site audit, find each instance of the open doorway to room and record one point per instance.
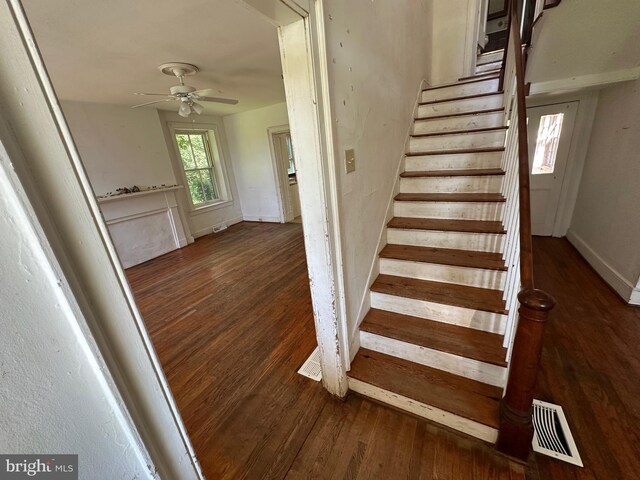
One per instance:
(186, 190)
(284, 163)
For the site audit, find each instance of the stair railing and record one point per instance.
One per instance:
(524, 333)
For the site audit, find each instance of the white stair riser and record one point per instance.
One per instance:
(460, 106)
(463, 141)
(477, 184)
(462, 366)
(481, 242)
(461, 90)
(472, 277)
(465, 122)
(490, 211)
(451, 420)
(491, 57)
(488, 67)
(457, 161)
(438, 312)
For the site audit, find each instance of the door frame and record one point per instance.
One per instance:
(283, 195)
(39, 142)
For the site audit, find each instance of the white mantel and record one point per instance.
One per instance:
(143, 225)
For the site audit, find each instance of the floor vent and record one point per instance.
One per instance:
(551, 434)
(311, 368)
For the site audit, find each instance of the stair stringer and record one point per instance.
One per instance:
(374, 269)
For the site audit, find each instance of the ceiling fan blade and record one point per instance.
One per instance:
(229, 101)
(155, 101)
(157, 94)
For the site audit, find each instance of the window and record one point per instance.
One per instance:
(199, 166)
(544, 159)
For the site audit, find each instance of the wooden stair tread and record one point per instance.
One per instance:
(462, 114)
(460, 132)
(474, 298)
(447, 225)
(458, 395)
(456, 151)
(462, 341)
(483, 74)
(464, 97)
(445, 256)
(447, 85)
(470, 172)
(449, 197)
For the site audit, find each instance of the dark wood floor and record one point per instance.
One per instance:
(230, 317)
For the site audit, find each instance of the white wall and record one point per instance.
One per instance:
(606, 222)
(53, 393)
(120, 146)
(252, 163)
(449, 28)
(378, 54)
(585, 37)
(201, 221)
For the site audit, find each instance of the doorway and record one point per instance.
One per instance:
(550, 129)
(285, 169)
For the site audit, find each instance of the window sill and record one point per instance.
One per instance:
(211, 206)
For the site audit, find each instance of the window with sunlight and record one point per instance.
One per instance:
(544, 159)
(197, 163)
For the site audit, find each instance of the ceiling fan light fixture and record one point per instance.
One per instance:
(197, 108)
(184, 110)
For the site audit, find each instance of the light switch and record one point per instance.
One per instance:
(350, 160)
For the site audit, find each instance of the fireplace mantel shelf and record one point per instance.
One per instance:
(124, 196)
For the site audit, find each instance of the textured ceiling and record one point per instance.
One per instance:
(103, 51)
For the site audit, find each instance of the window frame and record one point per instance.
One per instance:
(217, 163)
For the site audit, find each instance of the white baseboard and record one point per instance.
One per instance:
(255, 218)
(615, 279)
(635, 297)
(208, 230)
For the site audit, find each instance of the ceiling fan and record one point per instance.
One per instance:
(186, 94)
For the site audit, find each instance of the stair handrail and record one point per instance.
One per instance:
(516, 430)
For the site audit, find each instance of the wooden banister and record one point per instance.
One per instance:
(516, 430)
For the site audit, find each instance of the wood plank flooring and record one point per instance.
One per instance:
(231, 319)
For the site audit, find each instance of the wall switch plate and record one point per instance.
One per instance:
(350, 160)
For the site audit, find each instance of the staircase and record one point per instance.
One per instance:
(432, 343)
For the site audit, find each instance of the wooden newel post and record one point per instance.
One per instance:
(516, 430)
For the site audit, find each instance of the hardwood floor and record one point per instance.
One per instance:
(590, 366)
(231, 319)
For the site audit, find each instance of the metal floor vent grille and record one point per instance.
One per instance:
(311, 368)
(551, 433)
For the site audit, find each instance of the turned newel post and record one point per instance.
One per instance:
(516, 430)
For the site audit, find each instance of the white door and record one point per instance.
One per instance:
(550, 129)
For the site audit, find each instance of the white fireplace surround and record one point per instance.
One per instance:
(144, 225)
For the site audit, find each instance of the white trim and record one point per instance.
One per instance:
(585, 82)
(615, 279)
(448, 419)
(635, 296)
(255, 218)
(472, 36)
(40, 143)
(137, 194)
(304, 65)
(207, 230)
(463, 366)
(283, 194)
